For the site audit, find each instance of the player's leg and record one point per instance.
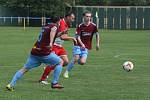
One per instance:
(65, 59)
(53, 59)
(63, 55)
(45, 74)
(60, 51)
(56, 75)
(71, 65)
(32, 62)
(48, 69)
(73, 61)
(16, 77)
(83, 56)
(76, 56)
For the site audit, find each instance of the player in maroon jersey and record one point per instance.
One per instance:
(41, 53)
(58, 44)
(84, 35)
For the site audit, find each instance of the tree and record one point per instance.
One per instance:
(137, 2)
(57, 7)
(35, 7)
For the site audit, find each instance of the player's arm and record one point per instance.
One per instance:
(77, 34)
(62, 33)
(79, 40)
(97, 41)
(66, 37)
(52, 35)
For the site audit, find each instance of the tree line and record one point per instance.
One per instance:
(32, 7)
(51, 7)
(113, 2)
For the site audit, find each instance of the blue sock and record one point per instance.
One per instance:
(57, 73)
(70, 66)
(79, 61)
(17, 76)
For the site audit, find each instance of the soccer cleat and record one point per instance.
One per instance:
(56, 86)
(66, 75)
(43, 82)
(9, 87)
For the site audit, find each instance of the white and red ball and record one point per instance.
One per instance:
(128, 66)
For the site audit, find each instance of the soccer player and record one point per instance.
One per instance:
(84, 35)
(57, 47)
(41, 53)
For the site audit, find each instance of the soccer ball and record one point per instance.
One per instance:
(128, 66)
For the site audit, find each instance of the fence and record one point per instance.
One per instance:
(106, 17)
(117, 17)
(23, 21)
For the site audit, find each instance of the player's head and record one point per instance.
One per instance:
(87, 15)
(70, 17)
(55, 19)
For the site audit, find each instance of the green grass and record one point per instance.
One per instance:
(102, 78)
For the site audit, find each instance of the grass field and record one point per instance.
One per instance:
(102, 78)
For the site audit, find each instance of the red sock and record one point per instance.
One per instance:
(47, 70)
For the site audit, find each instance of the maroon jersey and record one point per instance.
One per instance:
(41, 47)
(86, 33)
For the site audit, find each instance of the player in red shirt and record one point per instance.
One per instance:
(57, 47)
(84, 35)
(41, 53)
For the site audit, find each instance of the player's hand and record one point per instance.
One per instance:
(83, 46)
(97, 47)
(66, 30)
(75, 40)
(50, 46)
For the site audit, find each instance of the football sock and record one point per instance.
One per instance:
(70, 65)
(47, 70)
(79, 61)
(56, 74)
(16, 77)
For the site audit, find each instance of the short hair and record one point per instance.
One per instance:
(85, 12)
(54, 19)
(69, 14)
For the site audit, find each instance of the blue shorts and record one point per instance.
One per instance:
(77, 50)
(35, 61)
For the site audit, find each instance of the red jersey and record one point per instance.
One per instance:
(86, 34)
(63, 25)
(41, 47)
